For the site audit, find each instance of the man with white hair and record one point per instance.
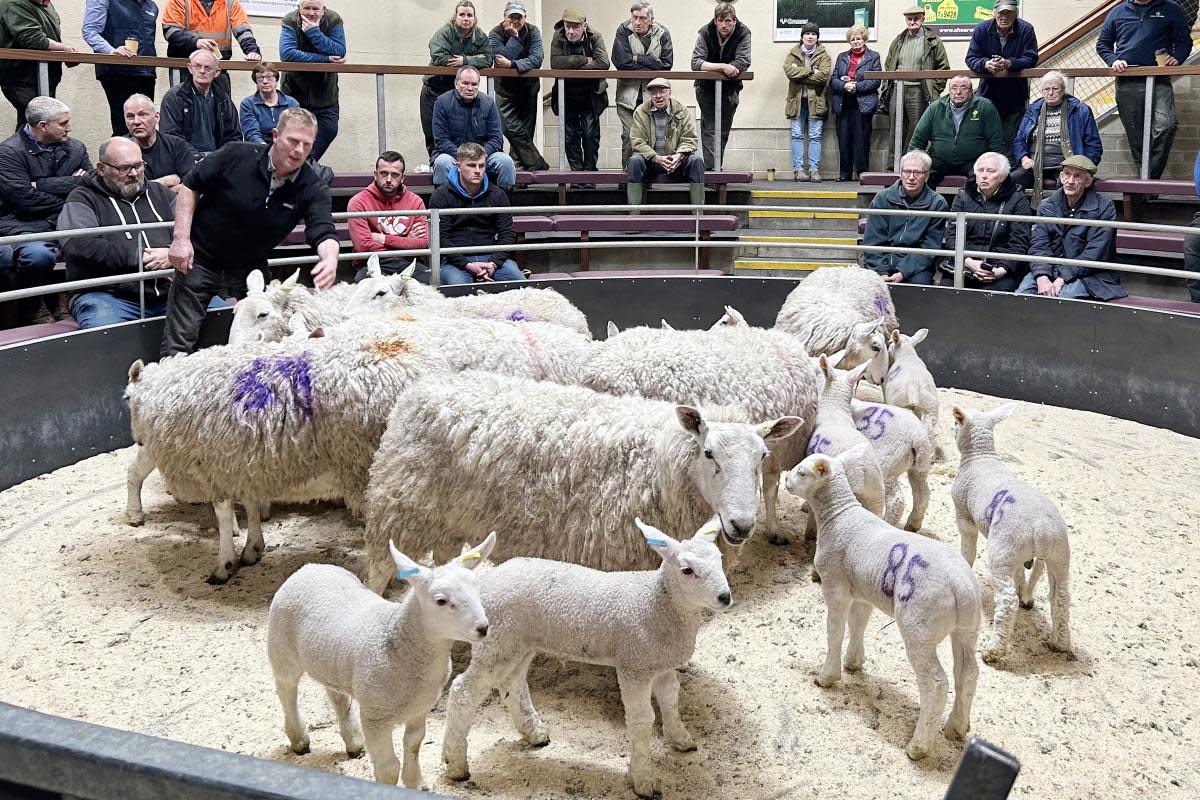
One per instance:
(910, 193)
(1055, 127)
(169, 158)
(200, 109)
(991, 191)
(640, 43)
(957, 129)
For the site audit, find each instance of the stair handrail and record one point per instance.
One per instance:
(1077, 30)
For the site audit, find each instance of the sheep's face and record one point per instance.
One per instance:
(259, 318)
(867, 344)
(692, 567)
(373, 295)
(727, 465)
(809, 475)
(732, 318)
(449, 594)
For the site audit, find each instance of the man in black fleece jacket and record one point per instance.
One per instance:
(233, 209)
(468, 188)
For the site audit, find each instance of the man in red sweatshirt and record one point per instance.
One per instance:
(376, 234)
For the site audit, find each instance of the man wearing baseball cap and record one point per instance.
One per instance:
(663, 136)
(916, 48)
(576, 46)
(518, 45)
(1075, 200)
(1001, 46)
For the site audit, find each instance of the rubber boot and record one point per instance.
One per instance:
(696, 194)
(634, 193)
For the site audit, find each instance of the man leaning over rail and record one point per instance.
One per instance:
(1001, 46)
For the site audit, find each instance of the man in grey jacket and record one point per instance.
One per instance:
(640, 43)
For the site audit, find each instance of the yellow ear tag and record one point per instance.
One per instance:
(710, 533)
(469, 556)
(766, 428)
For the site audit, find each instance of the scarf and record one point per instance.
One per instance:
(808, 53)
(1039, 156)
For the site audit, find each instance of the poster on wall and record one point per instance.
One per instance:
(956, 19)
(833, 17)
(268, 8)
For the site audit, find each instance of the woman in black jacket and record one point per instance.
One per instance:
(991, 191)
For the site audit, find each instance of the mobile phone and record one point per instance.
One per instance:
(985, 772)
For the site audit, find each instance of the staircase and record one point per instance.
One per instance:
(798, 240)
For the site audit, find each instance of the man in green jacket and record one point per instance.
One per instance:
(958, 129)
(29, 25)
(663, 136)
(916, 48)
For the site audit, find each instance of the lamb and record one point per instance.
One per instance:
(392, 658)
(269, 313)
(764, 372)
(564, 477)
(1022, 526)
(909, 384)
(642, 623)
(901, 445)
(921, 583)
(824, 310)
(732, 318)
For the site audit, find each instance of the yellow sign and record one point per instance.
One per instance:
(947, 9)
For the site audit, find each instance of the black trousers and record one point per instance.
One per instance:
(1191, 260)
(582, 125)
(188, 302)
(854, 139)
(706, 98)
(645, 170)
(428, 98)
(118, 88)
(518, 116)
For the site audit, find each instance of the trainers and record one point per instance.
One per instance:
(800, 175)
(43, 316)
(814, 176)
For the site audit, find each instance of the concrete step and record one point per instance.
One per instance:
(828, 198)
(804, 220)
(778, 268)
(796, 246)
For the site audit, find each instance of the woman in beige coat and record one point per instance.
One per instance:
(808, 67)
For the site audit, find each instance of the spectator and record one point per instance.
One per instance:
(259, 112)
(640, 43)
(576, 46)
(991, 191)
(956, 130)
(808, 68)
(464, 115)
(387, 192)
(199, 110)
(29, 25)
(117, 194)
(854, 103)
(916, 48)
(234, 208)
(1077, 200)
(1191, 245)
(211, 26)
(722, 45)
(910, 193)
(518, 45)
(108, 25)
(1001, 46)
(1048, 135)
(39, 166)
(459, 43)
(314, 34)
(468, 187)
(663, 135)
(168, 158)
(1146, 33)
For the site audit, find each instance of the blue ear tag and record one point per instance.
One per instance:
(656, 542)
(409, 573)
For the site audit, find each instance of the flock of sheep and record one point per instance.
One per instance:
(612, 474)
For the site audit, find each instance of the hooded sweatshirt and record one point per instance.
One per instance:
(473, 230)
(397, 231)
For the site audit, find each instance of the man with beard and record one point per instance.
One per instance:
(117, 193)
(387, 193)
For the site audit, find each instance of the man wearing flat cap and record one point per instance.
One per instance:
(576, 46)
(1077, 199)
(518, 45)
(663, 137)
(1001, 46)
(917, 48)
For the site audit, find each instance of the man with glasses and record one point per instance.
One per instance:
(910, 193)
(1055, 127)
(387, 193)
(663, 137)
(199, 109)
(168, 158)
(957, 129)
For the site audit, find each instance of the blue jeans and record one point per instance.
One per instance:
(509, 271)
(500, 168)
(1072, 290)
(327, 130)
(815, 126)
(93, 309)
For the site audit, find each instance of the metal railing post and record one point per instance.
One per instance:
(898, 113)
(696, 252)
(1147, 121)
(960, 244)
(174, 76)
(560, 86)
(435, 248)
(141, 284)
(380, 112)
(43, 78)
(718, 96)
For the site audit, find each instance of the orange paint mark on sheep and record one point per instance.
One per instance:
(404, 318)
(390, 348)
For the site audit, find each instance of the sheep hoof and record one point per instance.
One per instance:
(1029, 564)
(776, 539)
(853, 666)
(956, 733)
(301, 748)
(915, 751)
(912, 527)
(647, 788)
(458, 775)
(250, 556)
(1027, 603)
(826, 681)
(816, 576)
(135, 518)
(221, 575)
(1059, 647)
(538, 738)
(355, 753)
(992, 655)
(683, 744)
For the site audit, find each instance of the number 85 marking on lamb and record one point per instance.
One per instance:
(891, 573)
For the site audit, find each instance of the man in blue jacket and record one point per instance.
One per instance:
(910, 193)
(464, 115)
(1191, 245)
(1056, 127)
(112, 27)
(1002, 46)
(1146, 33)
(518, 45)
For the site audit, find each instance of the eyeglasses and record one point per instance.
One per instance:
(125, 169)
(267, 76)
(914, 173)
(202, 69)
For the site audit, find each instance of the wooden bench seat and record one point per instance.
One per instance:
(612, 177)
(522, 224)
(1159, 304)
(586, 224)
(28, 333)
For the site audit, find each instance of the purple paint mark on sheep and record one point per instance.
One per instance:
(818, 444)
(893, 372)
(881, 304)
(297, 371)
(874, 422)
(891, 573)
(253, 392)
(995, 510)
(517, 316)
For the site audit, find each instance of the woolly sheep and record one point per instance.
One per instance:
(392, 658)
(910, 385)
(764, 372)
(732, 318)
(1021, 525)
(562, 477)
(922, 583)
(901, 445)
(642, 623)
(824, 309)
(268, 313)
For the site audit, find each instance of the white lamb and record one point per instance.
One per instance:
(392, 658)
(732, 318)
(269, 313)
(642, 623)
(824, 309)
(910, 385)
(923, 584)
(764, 372)
(901, 445)
(1022, 526)
(562, 470)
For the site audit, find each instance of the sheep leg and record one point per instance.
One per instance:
(264, 510)
(377, 734)
(837, 606)
(1058, 572)
(966, 675)
(932, 689)
(135, 476)
(253, 549)
(466, 695)
(967, 535)
(1025, 593)
(414, 734)
(919, 483)
(380, 567)
(666, 692)
(639, 721)
(287, 685)
(347, 723)
(860, 612)
(1005, 600)
(893, 504)
(520, 706)
(226, 526)
(770, 490)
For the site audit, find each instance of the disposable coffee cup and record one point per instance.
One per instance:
(131, 45)
(1161, 57)
(770, 174)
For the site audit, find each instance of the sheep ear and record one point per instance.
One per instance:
(709, 531)
(477, 554)
(613, 330)
(827, 363)
(291, 282)
(255, 282)
(135, 370)
(659, 542)
(666, 326)
(297, 327)
(821, 466)
(373, 268)
(735, 317)
(919, 336)
(857, 373)
(960, 414)
(779, 429)
(895, 337)
(879, 325)
(408, 272)
(1002, 412)
(691, 420)
(406, 568)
